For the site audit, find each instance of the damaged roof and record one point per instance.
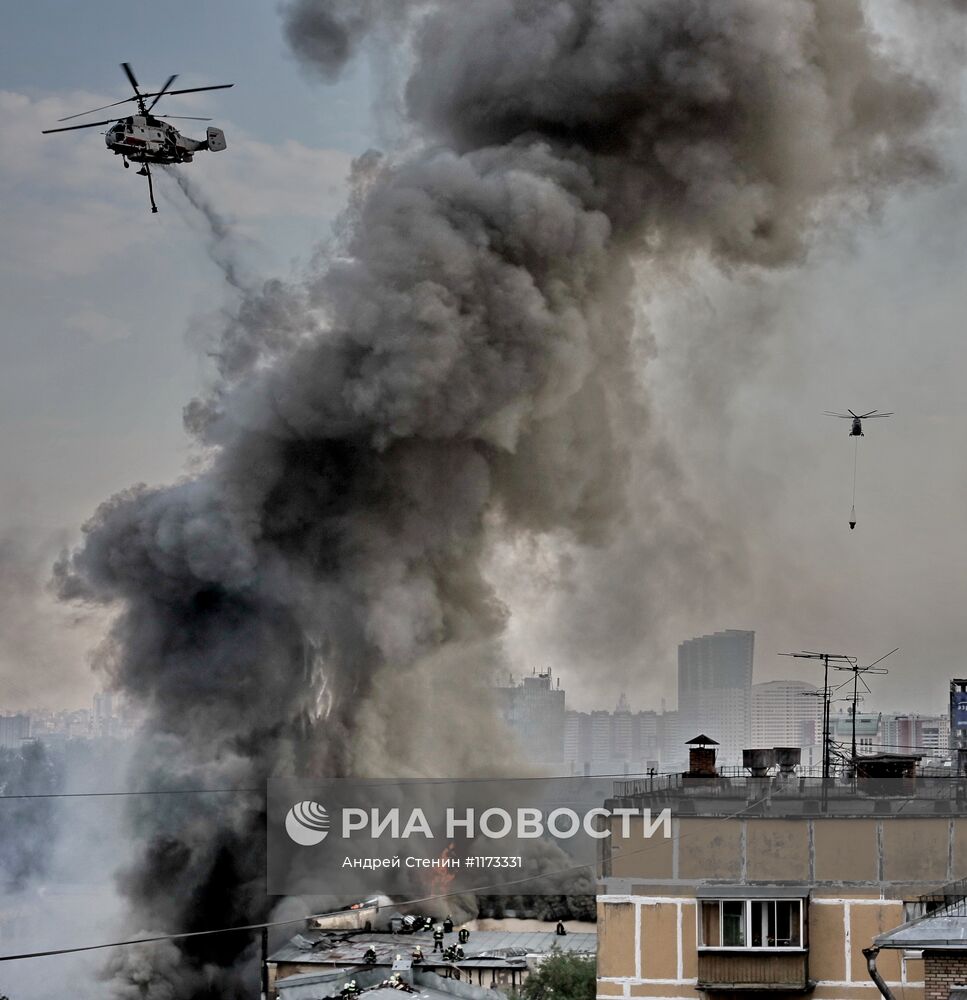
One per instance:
(490, 947)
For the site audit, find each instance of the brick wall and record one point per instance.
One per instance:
(941, 971)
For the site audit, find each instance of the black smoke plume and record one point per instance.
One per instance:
(456, 372)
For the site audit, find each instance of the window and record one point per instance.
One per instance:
(765, 924)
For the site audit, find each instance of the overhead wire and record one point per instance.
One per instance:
(264, 925)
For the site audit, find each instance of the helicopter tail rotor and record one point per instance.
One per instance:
(216, 139)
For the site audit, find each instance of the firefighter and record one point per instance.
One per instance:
(417, 954)
(464, 936)
(369, 956)
(561, 930)
(437, 938)
(448, 925)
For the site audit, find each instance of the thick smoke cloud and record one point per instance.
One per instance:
(457, 374)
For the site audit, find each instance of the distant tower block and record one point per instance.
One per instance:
(958, 718)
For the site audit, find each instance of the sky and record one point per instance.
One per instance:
(103, 303)
(102, 343)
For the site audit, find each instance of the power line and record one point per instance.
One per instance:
(298, 920)
(378, 783)
(156, 791)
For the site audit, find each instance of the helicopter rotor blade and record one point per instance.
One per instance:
(190, 118)
(191, 90)
(851, 413)
(104, 107)
(164, 92)
(71, 128)
(873, 413)
(829, 413)
(171, 79)
(130, 75)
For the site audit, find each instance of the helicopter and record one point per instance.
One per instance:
(144, 138)
(856, 430)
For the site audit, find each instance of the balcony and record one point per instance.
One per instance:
(746, 972)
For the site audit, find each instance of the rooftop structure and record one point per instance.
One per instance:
(491, 958)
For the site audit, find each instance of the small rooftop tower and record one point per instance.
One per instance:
(701, 754)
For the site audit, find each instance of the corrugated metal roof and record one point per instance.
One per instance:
(327, 948)
(314, 985)
(943, 931)
(308, 987)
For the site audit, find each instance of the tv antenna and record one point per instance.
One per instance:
(839, 661)
(859, 674)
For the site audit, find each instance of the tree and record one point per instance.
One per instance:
(562, 976)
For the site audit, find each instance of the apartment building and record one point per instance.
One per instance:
(775, 884)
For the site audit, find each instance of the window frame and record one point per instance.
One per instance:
(747, 924)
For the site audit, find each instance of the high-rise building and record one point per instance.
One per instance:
(103, 722)
(715, 690)
(618, 742)
(534, 711)
(786, 714)
(671, 741)
(927, 735)
(13, 729)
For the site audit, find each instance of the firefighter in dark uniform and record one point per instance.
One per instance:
(464, 936)
(437, 938)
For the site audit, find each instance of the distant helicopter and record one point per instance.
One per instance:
(856, 430)
(146, 139)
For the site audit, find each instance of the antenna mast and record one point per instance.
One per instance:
(839, 661)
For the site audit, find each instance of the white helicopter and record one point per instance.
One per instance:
(144, 137)
(856, 430)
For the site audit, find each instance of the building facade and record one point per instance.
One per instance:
(534, 712)
(773, 886)
(786, 714)
(13, 730)
(618, 742)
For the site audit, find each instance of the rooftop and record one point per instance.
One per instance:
(941, 925)
(925, 792)
(484, 947)
(426, 986)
